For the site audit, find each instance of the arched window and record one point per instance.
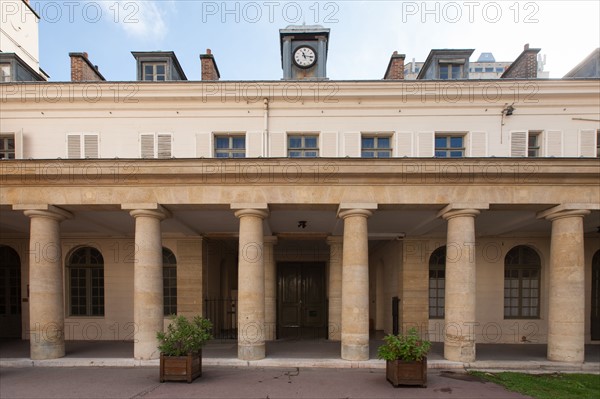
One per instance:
(522, 269)
(437, 283)
(85, 269)
(169, 282)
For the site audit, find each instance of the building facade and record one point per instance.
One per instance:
(302, 209)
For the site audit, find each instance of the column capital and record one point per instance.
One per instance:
(251, 212)
(456, 209)
(459, 213)
(567, 210)
(356, 209)
(45, 211)
(159, 213)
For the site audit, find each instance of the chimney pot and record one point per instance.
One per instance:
(208, 51)
(526, 47)
(85, 55)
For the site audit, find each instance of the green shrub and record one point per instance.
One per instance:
(184, 336)
(409, 347)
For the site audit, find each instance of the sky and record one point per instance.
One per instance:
(244, 35)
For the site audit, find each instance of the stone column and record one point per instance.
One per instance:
(148, 312)
(459, 337)
(355, 284)
(46, 298)
(335, 288)
(566, 294)
(270, 288)
(251, 284)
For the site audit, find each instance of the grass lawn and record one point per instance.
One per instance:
(547, 386)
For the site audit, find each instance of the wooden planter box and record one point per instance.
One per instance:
(181, 368)
(399, 372)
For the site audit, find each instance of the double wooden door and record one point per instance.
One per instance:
(301, 300)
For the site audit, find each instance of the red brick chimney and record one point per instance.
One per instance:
(209, 66)
(82, 70)
(525, 66)
(395, 69)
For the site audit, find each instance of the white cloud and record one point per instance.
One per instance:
(141, 19)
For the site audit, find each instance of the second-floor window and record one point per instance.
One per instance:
(450, 71)
(155, 71)
(533, 144)
(376, 147)
(303, 146)
(230, 146)
(7, 147)
(449, 146)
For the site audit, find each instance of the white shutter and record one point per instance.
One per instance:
(404, 144)
(518, 144)
(91, 146)
(328, 146)
(254, 144)
(478, 144)
(352, 144)
(73, 146)
(587, 143)
(147, 145)
(204, 145)
(19, 145)
(425, 144)
(554, 143)
(164, 141)
(278, 145)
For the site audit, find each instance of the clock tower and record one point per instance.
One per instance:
(304, 52)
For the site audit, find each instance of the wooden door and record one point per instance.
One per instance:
(301, 301)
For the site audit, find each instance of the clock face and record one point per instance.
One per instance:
(305, 57)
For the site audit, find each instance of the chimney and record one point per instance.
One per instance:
(395, 69)
(209, 66)
(525, 66)
(82, 70)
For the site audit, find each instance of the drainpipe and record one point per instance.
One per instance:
(266, 128)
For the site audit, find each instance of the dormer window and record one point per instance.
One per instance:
(5, 75)
(155, 71)
(450, 71)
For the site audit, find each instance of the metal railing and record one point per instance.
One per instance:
(223, 315)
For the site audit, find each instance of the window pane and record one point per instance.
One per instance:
(368, 142)
(239, 142)
(368, 154)
(440, 154)
(160, 78)
(295, 142)
(456, 154)
(148, 70)
(383, 142)
(310, 142)
(222, 155)
(443, 71)
(310, 154)
(456, 142)
(222, 142)
(160, 69)
(440, 142)
(456, 70)
(384, 154)
(239, 155)
(295, 154)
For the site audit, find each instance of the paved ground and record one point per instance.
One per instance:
(231, 382)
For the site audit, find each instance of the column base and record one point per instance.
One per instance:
(46, 350)
(355, 352)
(460, 350)
(251, 352)
(565, 353)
